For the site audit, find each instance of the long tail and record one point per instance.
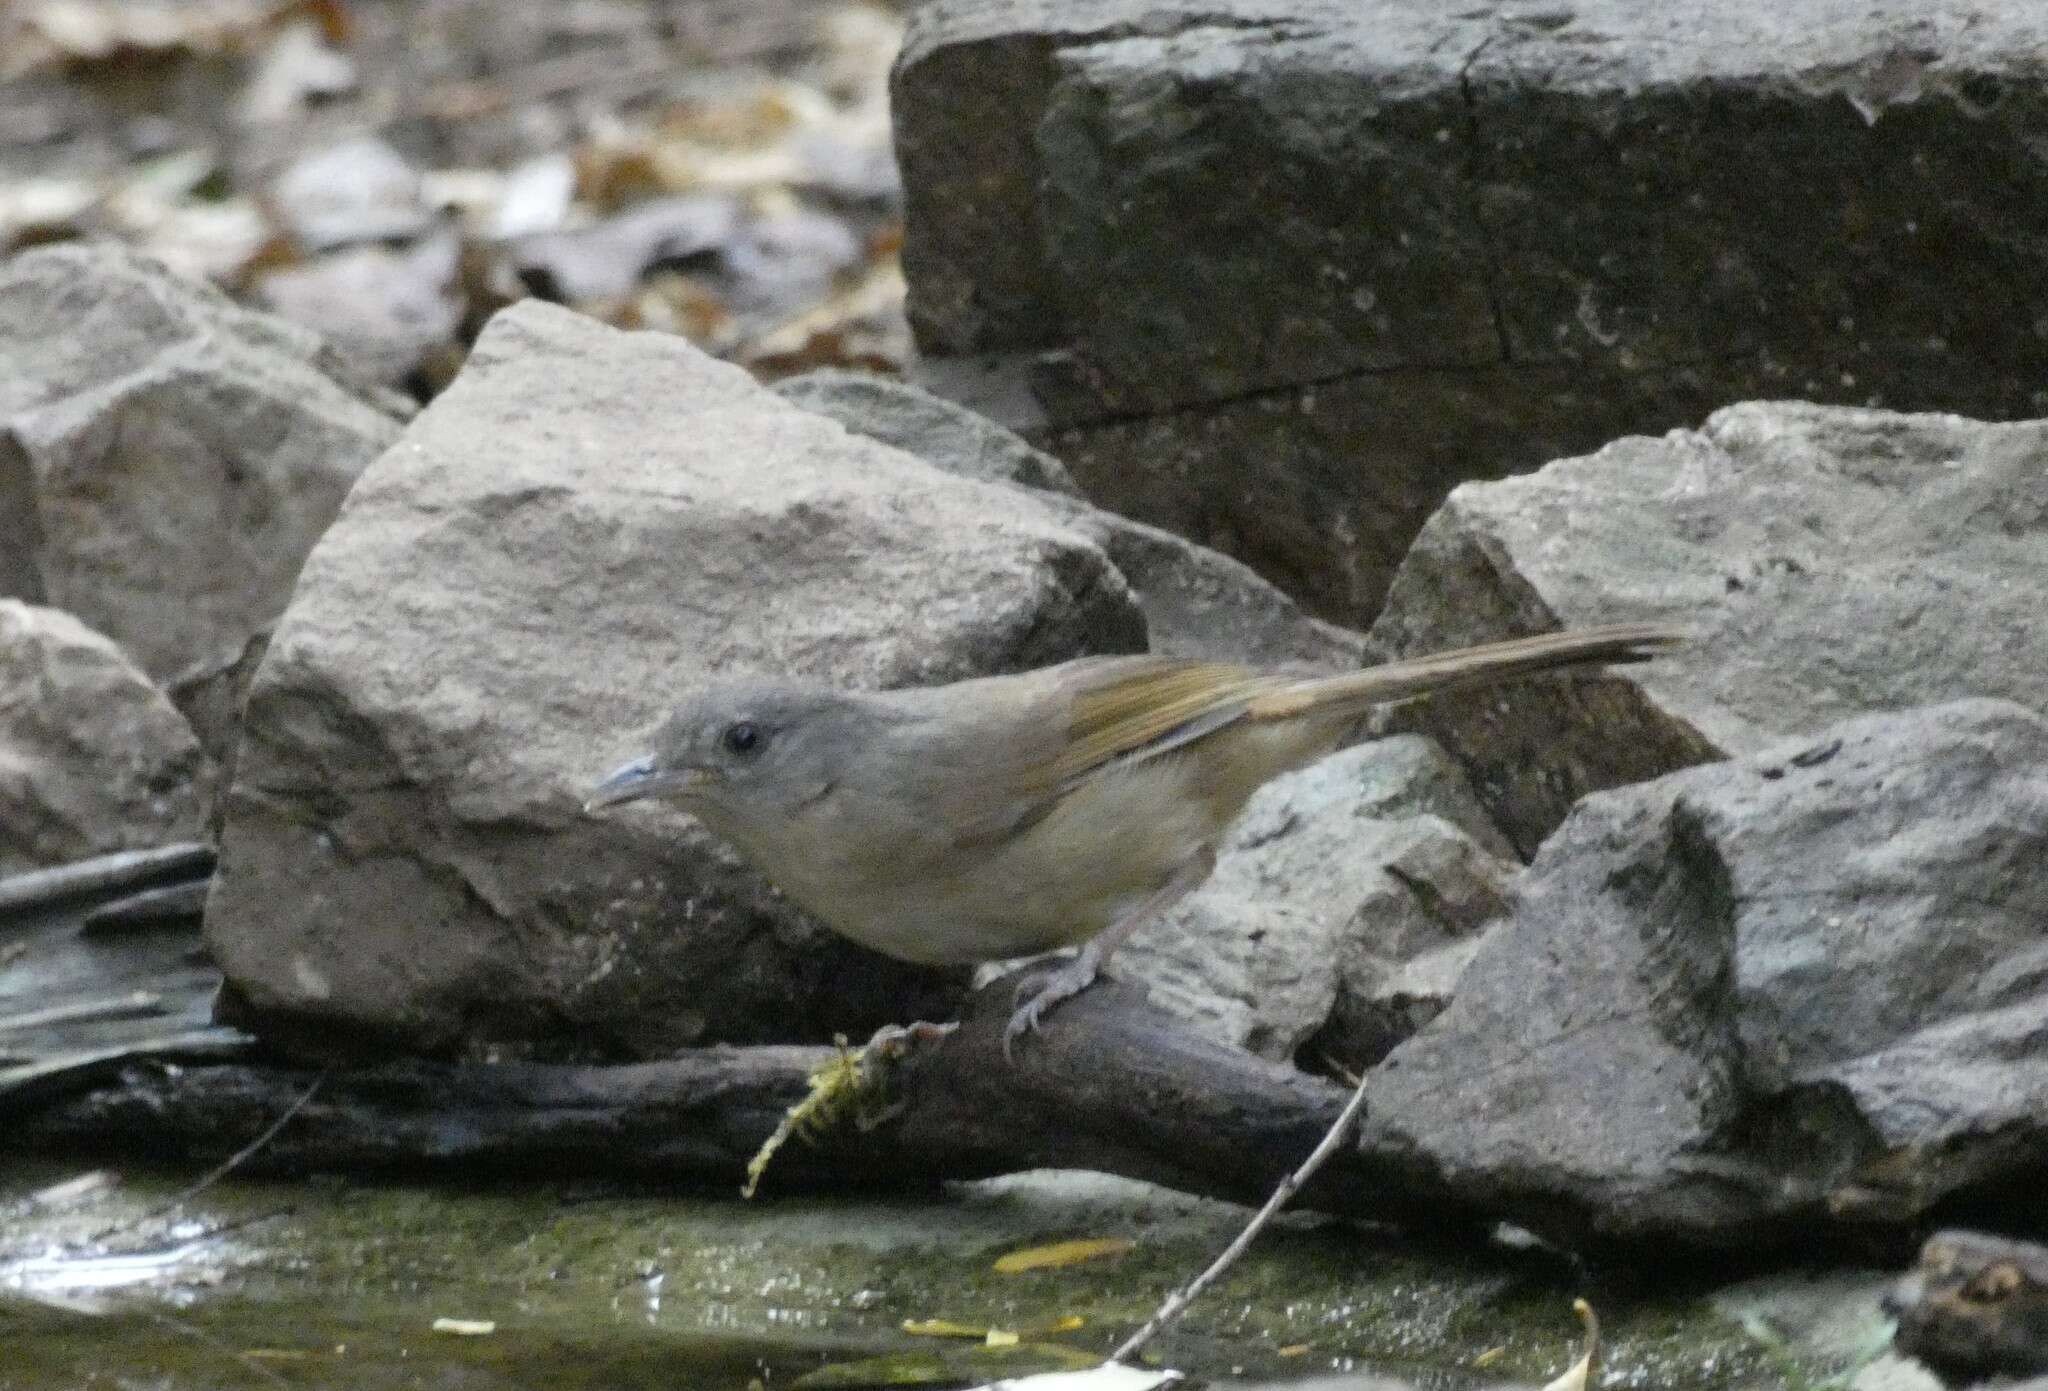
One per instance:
(1353, 693)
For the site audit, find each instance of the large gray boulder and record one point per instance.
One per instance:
(166, 458)
(1798, 989)
(1198, 602)
(586, 524)
(1336, 878)
(1826, 561)
(1276, 274)
(93, 757)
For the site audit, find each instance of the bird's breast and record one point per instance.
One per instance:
(1094, 856)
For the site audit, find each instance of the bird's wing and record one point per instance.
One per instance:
(1130, 709)
(1084, 718)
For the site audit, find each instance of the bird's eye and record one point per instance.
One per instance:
(742, 737)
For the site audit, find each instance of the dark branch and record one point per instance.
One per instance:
(1113, 1084)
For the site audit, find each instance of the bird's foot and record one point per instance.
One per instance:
(894, 1041)
(1040, 993)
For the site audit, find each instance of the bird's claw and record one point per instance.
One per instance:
(1040, 994)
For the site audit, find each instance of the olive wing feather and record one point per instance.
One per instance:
(1108, 711)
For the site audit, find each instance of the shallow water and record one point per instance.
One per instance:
(338, 1284)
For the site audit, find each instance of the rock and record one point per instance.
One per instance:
(1975, 1307)
(1198, 603)
(1795, 991)
(394, 313)
(1390, 999)
(166, 458)
(1334, 877)
(607, 259)
(297, 70)
(93, 758)
(937, 431)
(1379, 248)
(1201, 603)
(583, 526)
(211, 695)
(1825, 561)
(352, 193)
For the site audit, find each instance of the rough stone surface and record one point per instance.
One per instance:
(166, 458)
(211, 696)
(93, 757)
(1826, 561)
(394, 313)
(937, 431)
(1198, 602)
(1806, 987)
(1202, 221)
(583, 526)
(1334, 877)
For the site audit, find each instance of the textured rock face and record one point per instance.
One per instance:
(1804, 986)
(1826, 562)
(166, 459)
(584, 526)
(1333, 879)
(944, 435)
(1284, 271)
(1198, 602)
(93, 757)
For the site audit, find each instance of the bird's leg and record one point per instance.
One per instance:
(1038, 995)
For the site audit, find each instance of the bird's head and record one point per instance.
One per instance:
(741, 748)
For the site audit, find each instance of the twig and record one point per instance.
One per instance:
(1178, 1301)
(41, 888)
(241, 1156)
(222, 1169)
(171, 903)
(137, 1004)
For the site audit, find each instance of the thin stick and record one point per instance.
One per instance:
(220, 1170)
(235, 1160)
(1178, 1301)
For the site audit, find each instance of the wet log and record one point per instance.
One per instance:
(1975, 1306)
(1112, 1084)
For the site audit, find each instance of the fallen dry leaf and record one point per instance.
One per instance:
(1063, 1253)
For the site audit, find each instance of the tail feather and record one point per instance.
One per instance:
(1355, 692)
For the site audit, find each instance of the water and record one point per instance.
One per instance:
(331, 1283)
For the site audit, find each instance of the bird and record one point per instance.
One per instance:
(1009, 816)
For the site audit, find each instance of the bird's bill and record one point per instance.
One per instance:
(641, 779)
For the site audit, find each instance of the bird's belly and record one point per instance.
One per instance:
(1097, 855)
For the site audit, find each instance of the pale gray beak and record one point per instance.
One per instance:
(640, 779)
